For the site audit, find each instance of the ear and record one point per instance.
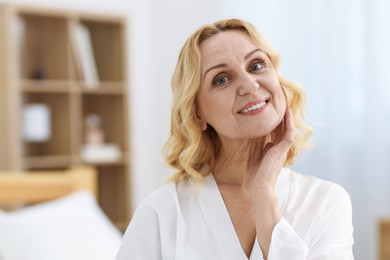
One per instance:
(202, 123)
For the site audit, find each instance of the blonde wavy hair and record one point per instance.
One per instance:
(192, 151)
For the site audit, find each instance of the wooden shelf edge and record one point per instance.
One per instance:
(56, 11)
(66, 86)
(105, 87)
(47, 161)
(45, 86)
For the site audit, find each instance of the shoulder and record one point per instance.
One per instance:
(315, 185)
(163, 197)
(314, 191)
(156, 210)
(154, 216)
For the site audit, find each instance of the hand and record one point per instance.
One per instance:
(266, 172)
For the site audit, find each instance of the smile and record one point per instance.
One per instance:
(254, 107)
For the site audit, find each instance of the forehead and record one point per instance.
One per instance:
(233, 43)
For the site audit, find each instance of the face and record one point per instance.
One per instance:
(240, 95)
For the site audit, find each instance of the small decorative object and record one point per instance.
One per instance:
(103, 153)
(36, 123)
(94, 133)
(95, 150)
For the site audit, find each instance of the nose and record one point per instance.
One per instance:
(248, 85)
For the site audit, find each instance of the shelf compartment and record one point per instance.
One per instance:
(110, 109)
(45, 42)
(59, 142)
(109, 54)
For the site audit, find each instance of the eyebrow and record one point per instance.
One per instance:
(250, 54)
(223, 65)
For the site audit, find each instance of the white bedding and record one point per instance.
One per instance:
(72, 227)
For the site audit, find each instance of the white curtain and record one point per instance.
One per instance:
(340, 52)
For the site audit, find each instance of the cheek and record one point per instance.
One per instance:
(278, 95)
(208, 107)
(212, 107)
(277, 90)
(204, 106)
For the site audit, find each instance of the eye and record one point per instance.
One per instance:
(220, 80)
(256, 66)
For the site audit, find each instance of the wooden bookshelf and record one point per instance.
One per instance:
(39, 64)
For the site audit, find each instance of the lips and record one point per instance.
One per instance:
(253, 106)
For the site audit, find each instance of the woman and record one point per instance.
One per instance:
(233, 130)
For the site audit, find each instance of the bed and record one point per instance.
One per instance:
(54, 215)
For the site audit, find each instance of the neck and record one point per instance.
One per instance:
(235, 159)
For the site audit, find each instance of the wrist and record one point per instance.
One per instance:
(265, 202)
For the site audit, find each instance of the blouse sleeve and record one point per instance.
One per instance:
(286, 244)
(141, 241)
(331, 236)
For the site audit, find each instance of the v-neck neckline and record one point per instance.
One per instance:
(221, 224)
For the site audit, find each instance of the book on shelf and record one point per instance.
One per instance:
(18, 34)
(82, 50)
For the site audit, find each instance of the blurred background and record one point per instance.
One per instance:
(338, 50)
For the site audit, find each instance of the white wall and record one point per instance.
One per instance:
(159, 29)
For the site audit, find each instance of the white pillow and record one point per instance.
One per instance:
(69, 228)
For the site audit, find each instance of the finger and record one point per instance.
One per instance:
(266, 148)
(284, 140)
(279, 132)
(288, 135)
(289, 125)
(283, 127)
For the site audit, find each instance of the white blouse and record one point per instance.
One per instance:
(177, 222)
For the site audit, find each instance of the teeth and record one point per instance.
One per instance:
(258, 105)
